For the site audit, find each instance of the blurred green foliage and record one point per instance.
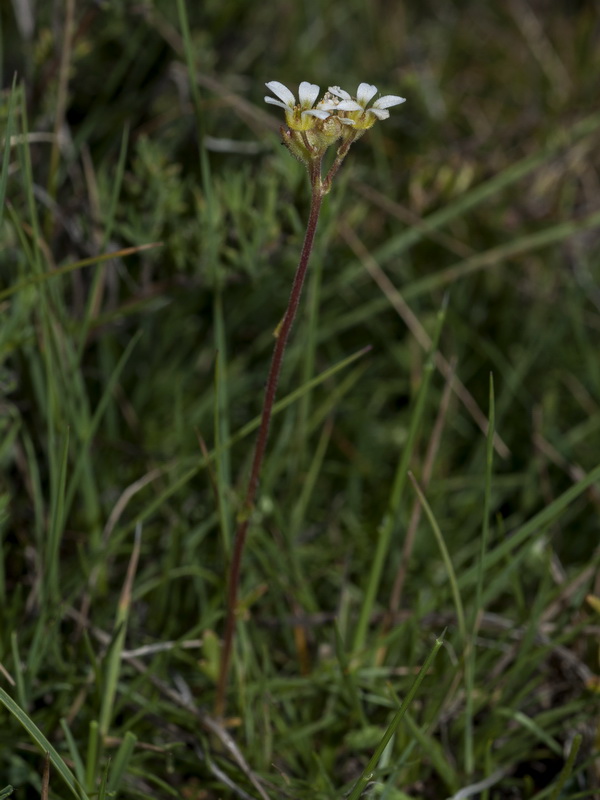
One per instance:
(87, 429)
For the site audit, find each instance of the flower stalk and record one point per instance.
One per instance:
(311, 131)
(282, 335)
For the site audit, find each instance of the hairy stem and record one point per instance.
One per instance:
(282, 333)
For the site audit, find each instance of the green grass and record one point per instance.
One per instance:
(413, 613)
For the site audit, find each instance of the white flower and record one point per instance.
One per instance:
(332, 103)
(299, 116)
(362, 116)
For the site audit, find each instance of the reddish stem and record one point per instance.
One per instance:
(282, 334)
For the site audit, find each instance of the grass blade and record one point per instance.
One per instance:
(121, 761)
(57, 519)
(471, 654)
(369, 770)
(113, 662)
(10, 114)
(74, 752)
(44, 745)
(34, 280)
(533, 526)
(389, 522)
(460, 611)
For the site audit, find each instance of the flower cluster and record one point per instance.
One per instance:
(338, 115)
(357, 112)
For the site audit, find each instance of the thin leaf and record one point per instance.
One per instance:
(44, 745)
(369, 770)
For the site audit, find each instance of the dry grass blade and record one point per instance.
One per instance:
(422, 337)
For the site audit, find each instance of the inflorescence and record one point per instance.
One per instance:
(337, 116)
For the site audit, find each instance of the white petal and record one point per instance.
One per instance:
(339, 92)
(364, 93)
(276, 103)
(282, 92)
(315, 112)
(346, 121)
(380, 113)
(307, 94)
(388, 100)
(348, 105)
